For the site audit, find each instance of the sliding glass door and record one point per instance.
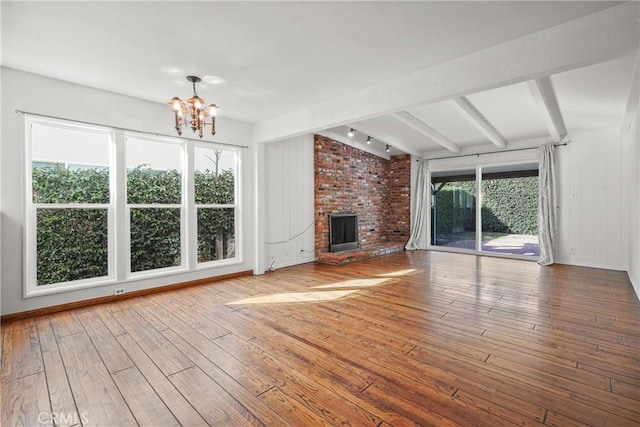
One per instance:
(486, 209)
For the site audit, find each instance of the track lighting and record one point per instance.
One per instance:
(352, 132)
(388, 148)
(369, 139)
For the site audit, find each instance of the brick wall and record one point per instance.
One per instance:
(349, 180)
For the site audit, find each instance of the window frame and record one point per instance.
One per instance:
(238, 259)
(30, 255)
(182, 206)
(119, 210)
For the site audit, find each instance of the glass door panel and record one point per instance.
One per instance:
(509, 210)
(453, 209)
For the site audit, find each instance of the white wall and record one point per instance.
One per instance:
(590, 194)
(631, 193)
(289, 202)
(46, 96)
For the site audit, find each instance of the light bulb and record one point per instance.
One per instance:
(351, 132)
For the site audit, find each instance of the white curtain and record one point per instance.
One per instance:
(418, 238)
(547, 205)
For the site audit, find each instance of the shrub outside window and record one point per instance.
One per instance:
(215, 195)
(154, 203)
(69, 207)
(178, 210)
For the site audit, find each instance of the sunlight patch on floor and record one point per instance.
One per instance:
(295, 297)
(354, 283)
(399, 273)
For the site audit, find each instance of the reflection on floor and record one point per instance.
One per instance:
(513, 244)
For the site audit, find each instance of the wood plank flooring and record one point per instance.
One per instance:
(416, 338)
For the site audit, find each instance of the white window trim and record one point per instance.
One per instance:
(239, 258)
(118, 211)
(30, 256)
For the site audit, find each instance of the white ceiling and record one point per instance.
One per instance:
(262, 60)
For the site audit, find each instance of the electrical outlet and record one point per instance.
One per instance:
(572, 251)
(119, 291)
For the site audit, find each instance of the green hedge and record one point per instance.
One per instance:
(509, 206)
(72, 243)
(452, 213)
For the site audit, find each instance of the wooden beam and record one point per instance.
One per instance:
(592, 39)
(480, 122)
(426, 130)
(545, 97)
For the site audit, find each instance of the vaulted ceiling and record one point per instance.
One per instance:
(589, 98)
(284, 66)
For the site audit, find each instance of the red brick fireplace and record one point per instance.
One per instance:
(352, 181)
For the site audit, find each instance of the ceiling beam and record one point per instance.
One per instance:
(426, 130)
(480, 122)
(599, 37)
(542, 91)
(385, 138)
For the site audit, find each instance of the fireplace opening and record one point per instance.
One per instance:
(343, 232)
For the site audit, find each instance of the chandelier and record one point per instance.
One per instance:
(197, 112)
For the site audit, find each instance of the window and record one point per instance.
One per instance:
(215, 196)
(154, 203)
(93, 217)
(69, 209)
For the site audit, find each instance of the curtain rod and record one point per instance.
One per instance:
(129, 130)
(559, 144)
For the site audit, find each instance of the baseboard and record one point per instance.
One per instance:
(598, 266)
(295, 262)
(109, 298)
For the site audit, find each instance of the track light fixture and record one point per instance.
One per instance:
(369, 139)
(352, 132)
(388, 148)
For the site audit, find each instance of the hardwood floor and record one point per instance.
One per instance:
(416, 338)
